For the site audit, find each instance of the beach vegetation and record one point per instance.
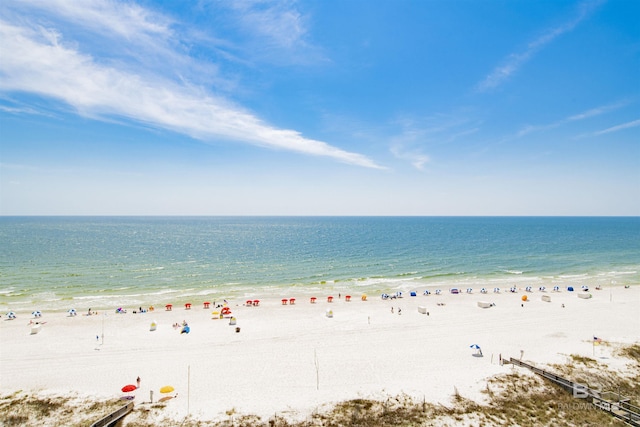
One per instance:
(518, 398)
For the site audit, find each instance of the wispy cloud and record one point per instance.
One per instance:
(594, 112)
(416, 134)
(37, 59)
(516, 60)
(628, 125)
(275, 31)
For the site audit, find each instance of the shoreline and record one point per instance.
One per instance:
(294, 359)
(196, 296)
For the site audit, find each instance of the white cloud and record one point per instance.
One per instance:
(516, 60)
(126, 20)
(279, 21)
(38, 60)
(417, 159)
(628, 125)
(594, 112)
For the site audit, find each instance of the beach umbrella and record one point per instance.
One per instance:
(477, 348)
(11, 315)
(72, 312)
(37, 313)
(166, 389)
(128, 388)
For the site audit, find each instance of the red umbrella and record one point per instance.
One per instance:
(128, 388)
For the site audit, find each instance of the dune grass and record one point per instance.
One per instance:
(519, 398)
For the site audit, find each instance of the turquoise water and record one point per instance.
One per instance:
(55, 263)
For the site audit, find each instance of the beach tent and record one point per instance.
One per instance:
(584, 295)
(422, 309)
(413, 293)
(454, 291)
(546, 298)
(185, 329)
(484, 304)
(570, 288)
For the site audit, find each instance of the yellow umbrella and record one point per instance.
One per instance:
(166, 389)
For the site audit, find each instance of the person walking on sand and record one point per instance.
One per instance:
(138, 382)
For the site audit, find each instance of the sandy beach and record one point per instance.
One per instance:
(292, 360)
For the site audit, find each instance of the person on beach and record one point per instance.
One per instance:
(138, 382)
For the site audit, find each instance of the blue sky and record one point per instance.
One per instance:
(327, 107)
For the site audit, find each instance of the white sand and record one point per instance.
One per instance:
(270, 366)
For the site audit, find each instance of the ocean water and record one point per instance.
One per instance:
(57, 263)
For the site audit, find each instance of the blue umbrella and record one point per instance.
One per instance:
(476, 346)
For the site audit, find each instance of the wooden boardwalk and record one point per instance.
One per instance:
(616, 405)
(115, 417)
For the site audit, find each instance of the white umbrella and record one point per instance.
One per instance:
(11, 315)
(37, 313)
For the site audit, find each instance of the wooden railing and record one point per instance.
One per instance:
(620, 408)
(114, 417)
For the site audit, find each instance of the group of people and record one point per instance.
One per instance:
(184, 328)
